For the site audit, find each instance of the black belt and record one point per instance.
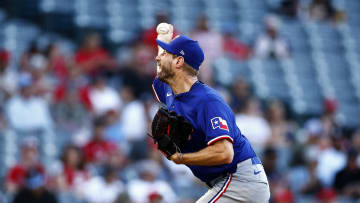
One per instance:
(211, 183)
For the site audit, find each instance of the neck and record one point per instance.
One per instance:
(181, 84)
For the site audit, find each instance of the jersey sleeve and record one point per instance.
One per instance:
(159, 89)
(216, 122)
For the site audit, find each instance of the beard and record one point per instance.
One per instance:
(165, 73)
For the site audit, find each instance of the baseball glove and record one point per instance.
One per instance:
(170, 131)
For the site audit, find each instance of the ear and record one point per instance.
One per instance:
(179, 62)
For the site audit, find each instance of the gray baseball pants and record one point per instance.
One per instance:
(248, 184)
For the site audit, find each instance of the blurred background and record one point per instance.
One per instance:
(76, 98)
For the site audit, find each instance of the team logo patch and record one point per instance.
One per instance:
(218, 122)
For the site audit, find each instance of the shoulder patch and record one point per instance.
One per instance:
(218, 122)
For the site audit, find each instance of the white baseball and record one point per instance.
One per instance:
(163, 28)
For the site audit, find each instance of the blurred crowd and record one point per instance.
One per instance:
(81, 123)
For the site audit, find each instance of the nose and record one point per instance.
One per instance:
(157, 58)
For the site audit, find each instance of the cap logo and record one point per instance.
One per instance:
(182, 52)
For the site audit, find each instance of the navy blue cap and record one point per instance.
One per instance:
(185, 47)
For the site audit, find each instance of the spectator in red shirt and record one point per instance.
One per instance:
(234, 48)
(91, 57)
(29, 162)
(98, 149)
(57, 64)
(73, 172)
(4, 59)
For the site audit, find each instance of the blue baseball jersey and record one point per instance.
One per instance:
(212, 120)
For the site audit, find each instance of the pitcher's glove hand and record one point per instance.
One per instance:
(170, 131)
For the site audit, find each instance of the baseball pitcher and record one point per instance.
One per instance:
(197, 128)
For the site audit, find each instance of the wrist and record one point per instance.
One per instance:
(177, 158)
